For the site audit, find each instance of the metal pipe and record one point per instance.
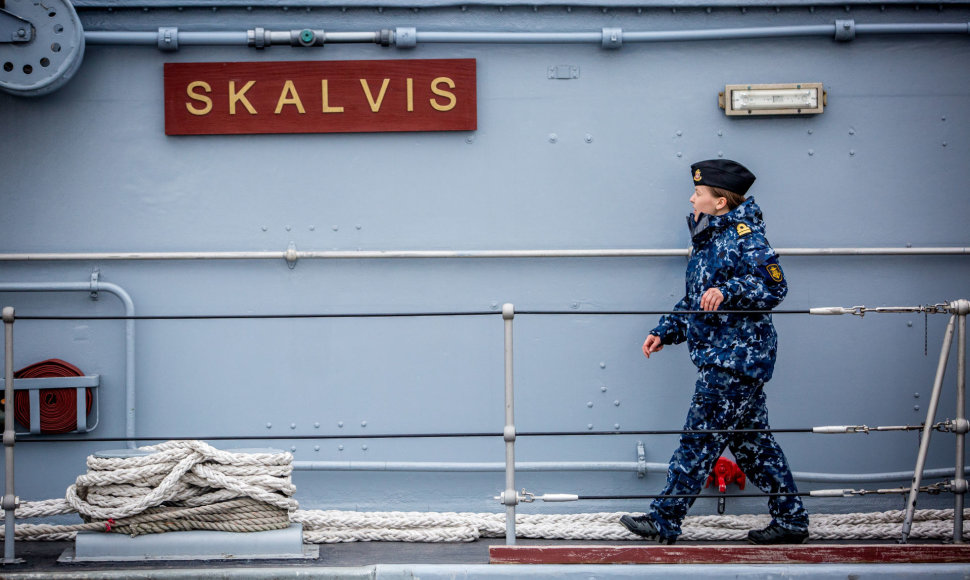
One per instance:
(97, 286)
(929, 28)
(122, 37)
(565, 466)
(424, 254)
(827, 30)
(210, 38)
(924, 444)
(960, 481)
(152, 38)
(470, 466)
(511, 37)
(9, 495)
(510, 498)
(341, 37)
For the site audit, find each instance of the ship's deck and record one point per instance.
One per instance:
(563, 559)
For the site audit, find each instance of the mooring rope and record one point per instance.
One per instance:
(189, 485)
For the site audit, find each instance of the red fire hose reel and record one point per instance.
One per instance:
(58, 407)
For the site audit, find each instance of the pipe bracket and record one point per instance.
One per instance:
(641, 460)
(405, 37)
(845, 30)
(95, 279)
(168, 38)
(612, 38)
(291, 256)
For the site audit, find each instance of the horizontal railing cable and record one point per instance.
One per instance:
(816, 493)
(403, 314)
(528, 497)
(832, 429)
(828, 310)
(292, 256)
(260, 316)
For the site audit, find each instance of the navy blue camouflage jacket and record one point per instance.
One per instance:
(730, 252)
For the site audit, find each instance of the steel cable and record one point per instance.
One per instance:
(311, 315)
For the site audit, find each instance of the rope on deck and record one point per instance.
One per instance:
(189, 485)
(180, 485)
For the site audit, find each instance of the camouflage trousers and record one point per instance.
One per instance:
(725, 401)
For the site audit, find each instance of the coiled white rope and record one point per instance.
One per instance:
(185, 485)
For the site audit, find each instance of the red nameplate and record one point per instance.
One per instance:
(358, 96)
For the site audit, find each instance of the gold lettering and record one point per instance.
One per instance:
(443, 93)
(197, 97)
(326, 100)
(375, 106)
(289, 96)
(410, 95)
(235, 97)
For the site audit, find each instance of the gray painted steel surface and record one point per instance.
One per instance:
(594, 162)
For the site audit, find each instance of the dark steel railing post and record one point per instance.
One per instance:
(9, 502)
(960, 310)
(509, 497)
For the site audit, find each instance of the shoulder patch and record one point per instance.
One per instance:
(743, 230)
(774, 270)
(771, 271)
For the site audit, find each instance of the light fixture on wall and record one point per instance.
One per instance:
(778, 99)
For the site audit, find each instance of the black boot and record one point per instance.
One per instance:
(646, 527)
(775, 534)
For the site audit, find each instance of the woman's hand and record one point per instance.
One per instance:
(711, 300)
(652, 345)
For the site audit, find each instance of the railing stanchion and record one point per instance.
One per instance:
(9, 502)
(959, 479)
(924, 443)
(510, 498)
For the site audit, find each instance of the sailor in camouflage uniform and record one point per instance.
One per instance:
(732, 266)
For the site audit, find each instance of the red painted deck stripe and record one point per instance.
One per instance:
(732, 554)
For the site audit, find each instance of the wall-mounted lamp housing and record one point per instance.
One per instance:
(786, 99)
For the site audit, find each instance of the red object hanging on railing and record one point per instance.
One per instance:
(58, 407)
(726, 472)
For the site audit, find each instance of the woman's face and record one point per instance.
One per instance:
(704, 201)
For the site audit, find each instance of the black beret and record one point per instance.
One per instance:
(723, 173)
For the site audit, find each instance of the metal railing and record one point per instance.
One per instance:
(958, 311)
(510, 498)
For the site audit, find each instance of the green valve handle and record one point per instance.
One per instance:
(307, 36)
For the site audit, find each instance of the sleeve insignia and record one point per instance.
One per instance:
(743, 229)
(774, 270)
